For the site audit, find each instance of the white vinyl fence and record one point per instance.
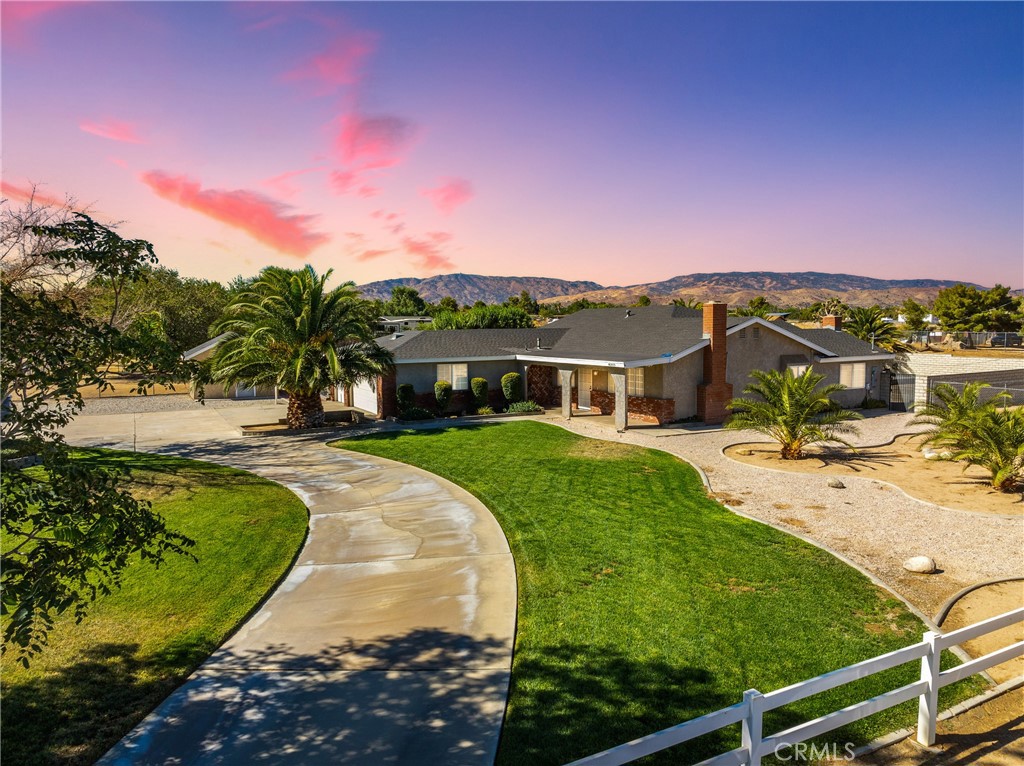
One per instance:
(750, 711)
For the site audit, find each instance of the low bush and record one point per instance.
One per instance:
(479, 388)
(416, 413)
(525, 407)
(406, 396)
(512, 386)
(873, 404)
(485, 410)
(443, 395)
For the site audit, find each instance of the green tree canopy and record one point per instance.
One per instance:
(913, 315)
(481, 317)
(405, 302)
(290, 332)
(966, 308)
(69, 528)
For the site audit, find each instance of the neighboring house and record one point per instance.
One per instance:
(204, 351)
(401, 323)
(654, 364)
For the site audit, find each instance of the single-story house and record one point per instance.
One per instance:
(401, 323)
(653, 364)
(204, 351)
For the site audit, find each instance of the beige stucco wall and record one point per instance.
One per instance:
(679, 381)
(424, 376)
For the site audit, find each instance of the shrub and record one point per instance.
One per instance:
(406, 396)
(525, 407)
(479, 388)
(416, 413)
(512, 387)
(873, 404)
(485, 410)
(443, 395)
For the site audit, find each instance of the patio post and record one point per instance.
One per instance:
(565, 378)
(621, 400)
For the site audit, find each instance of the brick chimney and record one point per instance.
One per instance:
(832, 322)
(715, 391)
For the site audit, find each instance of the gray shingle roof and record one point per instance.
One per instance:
(610, 335)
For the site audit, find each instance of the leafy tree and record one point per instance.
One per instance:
(643, 300)
(794, 411)
(448, 303)
(183, 308)
(966, 308)
(913, 315)
(756, 307)
(976, 432)
(69, 528)
(689, 303)
(481, 318)
(405, 302)
(523, 301)
(868, 324)
(831, 307)
(289, 331)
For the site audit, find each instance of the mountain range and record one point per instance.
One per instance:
(735, 287)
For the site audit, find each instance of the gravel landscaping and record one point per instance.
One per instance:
(126, 405)
(871, 523)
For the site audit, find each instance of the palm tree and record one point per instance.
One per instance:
(978, 433)
(868, 324)
(792, 410)
(952, 413)
(287, 330)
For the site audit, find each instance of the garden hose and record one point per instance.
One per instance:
(943, 613)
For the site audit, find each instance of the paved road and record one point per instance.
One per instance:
(389, 642)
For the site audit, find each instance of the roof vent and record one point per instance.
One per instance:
(396, 336)
(538, 342)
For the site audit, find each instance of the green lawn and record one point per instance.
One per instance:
(98, 679)
(643, 603)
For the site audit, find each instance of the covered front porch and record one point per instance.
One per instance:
(624, 394)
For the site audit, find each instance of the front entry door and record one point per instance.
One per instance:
(584, 384)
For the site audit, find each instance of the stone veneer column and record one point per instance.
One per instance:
(715, 391)
(565, 378)
(621, 400)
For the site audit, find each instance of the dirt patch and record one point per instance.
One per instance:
(594, 449)
(794, 522)
(901, 463)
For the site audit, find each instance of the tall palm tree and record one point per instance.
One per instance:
(867, 324)
(287, 330)
(792, 410)
(952, 413)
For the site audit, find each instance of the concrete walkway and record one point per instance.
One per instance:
(389, 642)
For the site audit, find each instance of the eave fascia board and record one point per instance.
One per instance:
(852, 359)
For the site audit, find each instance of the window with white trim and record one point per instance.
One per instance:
(635, 381)
(797, 369)
(456, 374)
(852, 375)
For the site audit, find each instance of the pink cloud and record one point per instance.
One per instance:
(369, 143)
(281, 183)
(265, 219)
(452, 193)
(366, 191)
(27, 194)
(119, 161)
(428, 250)
(340, 64)
(369, 255)
(20, 18)
(115, 130)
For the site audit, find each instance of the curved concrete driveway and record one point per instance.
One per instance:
(390, 641)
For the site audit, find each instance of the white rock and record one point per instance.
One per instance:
(922, 564)
(836, 484)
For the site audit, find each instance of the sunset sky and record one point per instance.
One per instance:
(617, 142)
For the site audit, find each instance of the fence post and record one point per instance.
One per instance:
(928, 705)
(752, 733)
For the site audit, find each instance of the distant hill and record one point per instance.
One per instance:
(782, 288)
(470, 288)
(736, 287)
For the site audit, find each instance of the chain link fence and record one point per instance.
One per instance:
(1015, 395)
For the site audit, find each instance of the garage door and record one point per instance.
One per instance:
(364, 396)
